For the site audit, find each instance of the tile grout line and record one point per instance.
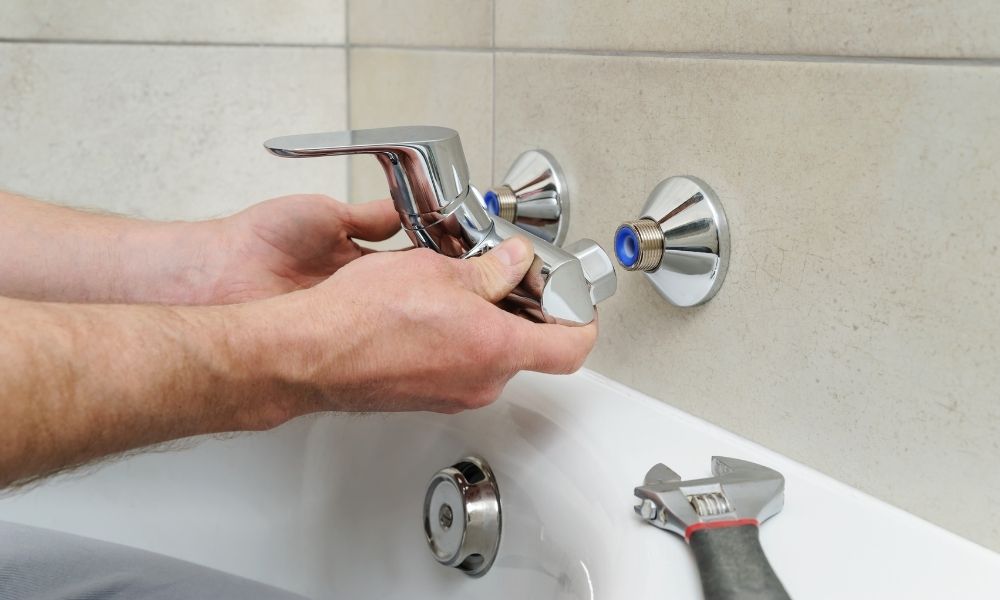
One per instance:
(427, 48)
(731, 56)
(349, 186)
(761, 57)
(493, 100)
(86, 42)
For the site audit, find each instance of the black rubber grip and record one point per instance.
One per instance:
(733, 565)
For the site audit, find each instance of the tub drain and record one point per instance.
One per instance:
(462, 516)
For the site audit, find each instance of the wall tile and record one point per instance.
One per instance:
(454, 23)
(938, 28)
(218, 21)
(857, 329)
(165, 131)
(420, 87)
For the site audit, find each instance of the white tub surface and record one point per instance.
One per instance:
(330, 506)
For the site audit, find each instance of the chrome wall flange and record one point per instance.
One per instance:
(462, 516)
(534, 196)
(680, 241)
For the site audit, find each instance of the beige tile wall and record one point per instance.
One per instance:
(174, 21)
(467, 23)
(856, 331)
(936, 28)
(172, 128)
(165, 132)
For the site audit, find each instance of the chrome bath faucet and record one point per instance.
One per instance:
(440, 209)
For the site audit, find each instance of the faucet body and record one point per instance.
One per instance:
(440, 209)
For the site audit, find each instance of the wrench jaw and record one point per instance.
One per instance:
(756, 491)
(739, 490)
(666, 509)
(758, 500)
(662, 503)
(661, 473)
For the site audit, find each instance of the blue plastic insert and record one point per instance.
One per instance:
(627, 246)
(492, 204)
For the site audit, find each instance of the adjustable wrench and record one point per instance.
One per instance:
(719, 516)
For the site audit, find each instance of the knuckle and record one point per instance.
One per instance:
(485, 279)
(576, 363)
(482, 397)
(311, 199)
(574, 359)
(562, 367)
(569, 358)
(468, 401)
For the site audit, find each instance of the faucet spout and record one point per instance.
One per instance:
(439, 209)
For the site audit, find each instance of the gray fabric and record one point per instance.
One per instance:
(40, 564)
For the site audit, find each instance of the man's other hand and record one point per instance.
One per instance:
(287, 244)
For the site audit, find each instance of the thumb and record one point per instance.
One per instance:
(494, 274)
(371, 221)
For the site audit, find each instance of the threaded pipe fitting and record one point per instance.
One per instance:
(639, 245)
(502, 202)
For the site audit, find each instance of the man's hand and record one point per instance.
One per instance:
(409, 330)
(287, 244)
(59, 254)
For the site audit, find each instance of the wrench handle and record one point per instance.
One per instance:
(733, 566)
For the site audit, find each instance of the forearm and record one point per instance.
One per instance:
(78, 382)
(59, 254)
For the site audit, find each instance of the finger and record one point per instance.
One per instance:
(557, 349)
(371, 221)
(494, 274)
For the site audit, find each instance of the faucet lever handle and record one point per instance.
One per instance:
(424, 165)
(360, 141)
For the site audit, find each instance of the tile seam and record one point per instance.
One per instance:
(730, 56)
(493, 97)
(88, 42)
(348, 89)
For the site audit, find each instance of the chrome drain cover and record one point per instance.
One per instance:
(462, 516)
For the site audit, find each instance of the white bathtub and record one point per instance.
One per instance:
(330, 506)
